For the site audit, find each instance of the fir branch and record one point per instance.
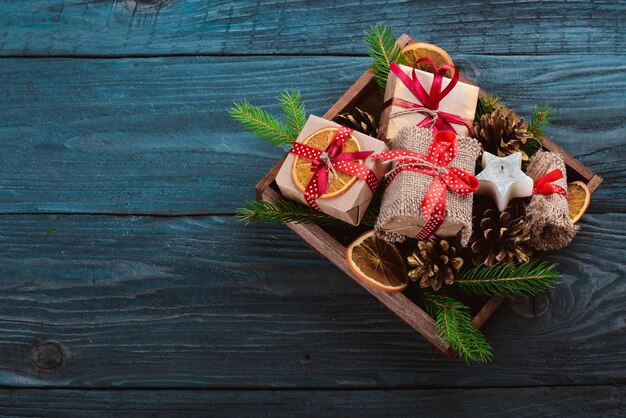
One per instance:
(540, 119)
(382, 47)
(261, 123)
(453, 321)
(295, 113)
(486, 106)
(284, 211)
(507, 280)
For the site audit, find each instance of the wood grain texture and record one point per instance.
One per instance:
(206, 302)
(152, 136)
(605, 401)
(138, 27)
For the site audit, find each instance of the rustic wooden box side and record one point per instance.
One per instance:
(364, 94)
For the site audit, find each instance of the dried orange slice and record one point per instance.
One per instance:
(377, 262)
(412, 52)
(578, 198)
(337, 184)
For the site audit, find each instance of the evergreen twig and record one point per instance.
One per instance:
(540, 119)
(261, 123)
(486, 106)
(453, 321)
(284, 211)
(507, 280)
(382, 47)
(295, 113)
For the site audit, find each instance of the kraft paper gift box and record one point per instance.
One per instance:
(460, 101)
(351, 205)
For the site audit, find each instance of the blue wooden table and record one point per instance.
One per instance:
(127, 285)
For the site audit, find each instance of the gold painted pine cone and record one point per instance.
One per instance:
(501, 134)
(501, 239)
(360, 121)
(435, 263)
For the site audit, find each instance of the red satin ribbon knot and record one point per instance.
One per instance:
(429, 101)
(441, 152)
(333, 158)
(544, 185)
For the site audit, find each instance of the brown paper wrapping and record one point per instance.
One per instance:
(547, 216)
(460, 101)
(400, 215)
(349, 206)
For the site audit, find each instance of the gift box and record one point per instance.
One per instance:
(418, 98)
(430, 187)
(329, 169)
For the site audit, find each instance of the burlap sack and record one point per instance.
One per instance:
(547, 216)
(400, 214)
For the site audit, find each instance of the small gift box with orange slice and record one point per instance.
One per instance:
(329, 168)
(430, 100)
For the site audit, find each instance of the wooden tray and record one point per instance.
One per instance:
(364, 94)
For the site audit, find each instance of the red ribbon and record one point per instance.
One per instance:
(333, 158)
(429, 101)
(544, 185)
(441, 152)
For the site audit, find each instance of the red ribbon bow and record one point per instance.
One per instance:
(333, 158)
(441, 152)
(544, 185)
(429, 101)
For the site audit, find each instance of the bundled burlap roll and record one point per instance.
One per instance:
(547, 216)
(400, 214)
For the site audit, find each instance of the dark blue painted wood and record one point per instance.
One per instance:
(207, 302)
(123, 27)
(605, 401)
(153, 136)
(203, 302)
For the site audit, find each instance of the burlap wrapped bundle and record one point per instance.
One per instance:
(547, 216)
(400, 214)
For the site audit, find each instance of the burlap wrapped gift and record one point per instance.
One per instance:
(400, 214)
(460, 101)
(547, 215)
(349, 206)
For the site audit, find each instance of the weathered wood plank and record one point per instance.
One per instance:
(206, 302)
(153, 136)
(584, 401)
(31, 27)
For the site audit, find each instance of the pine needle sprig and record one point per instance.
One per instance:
(382, 47)
(453, 321)
(262, 123)
(283, 211)
(542, 116)
(507, 280)
(486, 106)
(295, 113)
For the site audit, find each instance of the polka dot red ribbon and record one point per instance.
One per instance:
(334, 159)
(544, 185)
(429, 101)
(441, 152)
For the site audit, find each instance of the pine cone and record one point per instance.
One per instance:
(359, 120)
(435, 263)
(501, 134)
(501, 239)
